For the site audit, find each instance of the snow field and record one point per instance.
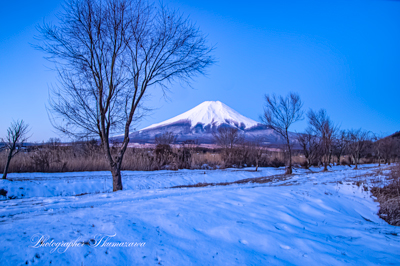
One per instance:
(311, 219)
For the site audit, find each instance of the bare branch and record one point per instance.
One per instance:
(108, 54)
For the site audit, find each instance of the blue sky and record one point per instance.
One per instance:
(343, 56)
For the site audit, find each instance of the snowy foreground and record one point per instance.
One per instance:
(309, 219)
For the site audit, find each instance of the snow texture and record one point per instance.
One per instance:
(213, 113)
(313, 218)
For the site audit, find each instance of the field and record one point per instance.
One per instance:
(310, 218)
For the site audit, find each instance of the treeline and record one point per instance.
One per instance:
(234, 149)
(339, 147)
(54, 156)
(349, 147)
(323, 140)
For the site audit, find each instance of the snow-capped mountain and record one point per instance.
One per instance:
(210, 114)
(201, 121)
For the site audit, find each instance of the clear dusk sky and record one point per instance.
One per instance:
(343, 56)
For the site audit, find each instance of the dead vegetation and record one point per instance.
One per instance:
(389, 197)
(54, 156)
(258, 180)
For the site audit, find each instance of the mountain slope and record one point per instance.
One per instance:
(210, 113)
(201, 121)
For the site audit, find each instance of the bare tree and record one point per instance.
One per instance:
(279, 114)
(227, 138)
(339, 145)
(358, 141)
(389, 145)
(321, 125)
(255, 148)
(107, 54)
(14, 141)
(310, 146)
(377, 147)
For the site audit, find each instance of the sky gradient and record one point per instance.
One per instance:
(343, 56)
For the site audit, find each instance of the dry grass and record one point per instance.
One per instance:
(211, 159)
(73, 159)
(259, 180)
(389, 198)
(88, 156)
(91, 158)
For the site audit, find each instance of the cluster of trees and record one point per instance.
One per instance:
(166, 157)
(323, 140)
(238, 150)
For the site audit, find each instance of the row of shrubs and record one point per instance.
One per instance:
(88, 156)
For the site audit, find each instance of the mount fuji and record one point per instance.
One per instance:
(199, 122)
(210, 114)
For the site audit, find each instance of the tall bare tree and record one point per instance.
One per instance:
(108, 54)
(321, 125)
(14, 141)
(358, 141)
(279, 114)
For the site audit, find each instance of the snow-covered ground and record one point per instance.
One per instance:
(27, 185)
(310, 219)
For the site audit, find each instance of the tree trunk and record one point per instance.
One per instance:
(356, 162)
(326, 159)
(116, 175)
(289, 167)
(7, 164)
(325, 167)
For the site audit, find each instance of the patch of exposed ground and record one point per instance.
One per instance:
(259, 180)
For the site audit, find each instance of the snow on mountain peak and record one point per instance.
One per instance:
(212, 113)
